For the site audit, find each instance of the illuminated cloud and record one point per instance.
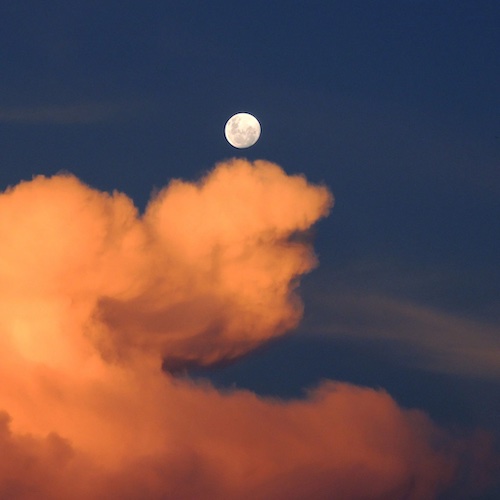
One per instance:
(95, 297)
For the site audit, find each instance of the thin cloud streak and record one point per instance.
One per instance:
(73, 114)
(439, 341)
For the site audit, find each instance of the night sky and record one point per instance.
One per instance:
(392, 105)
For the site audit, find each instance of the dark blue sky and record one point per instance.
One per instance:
(394, 105)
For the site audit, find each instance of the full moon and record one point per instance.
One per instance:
(242, 130)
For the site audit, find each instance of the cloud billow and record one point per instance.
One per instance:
(95, 298)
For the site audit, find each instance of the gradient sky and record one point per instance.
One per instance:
(393, 105)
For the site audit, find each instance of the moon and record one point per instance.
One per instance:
(242, 130)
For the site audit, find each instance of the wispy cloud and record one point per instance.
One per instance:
(434, 339)
(62, 114)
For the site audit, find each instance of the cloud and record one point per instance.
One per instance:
(432, 339)
(95, 298)
(62, 114)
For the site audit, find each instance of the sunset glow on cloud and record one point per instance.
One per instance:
(101, 307)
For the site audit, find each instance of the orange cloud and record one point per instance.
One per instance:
(94, 297)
